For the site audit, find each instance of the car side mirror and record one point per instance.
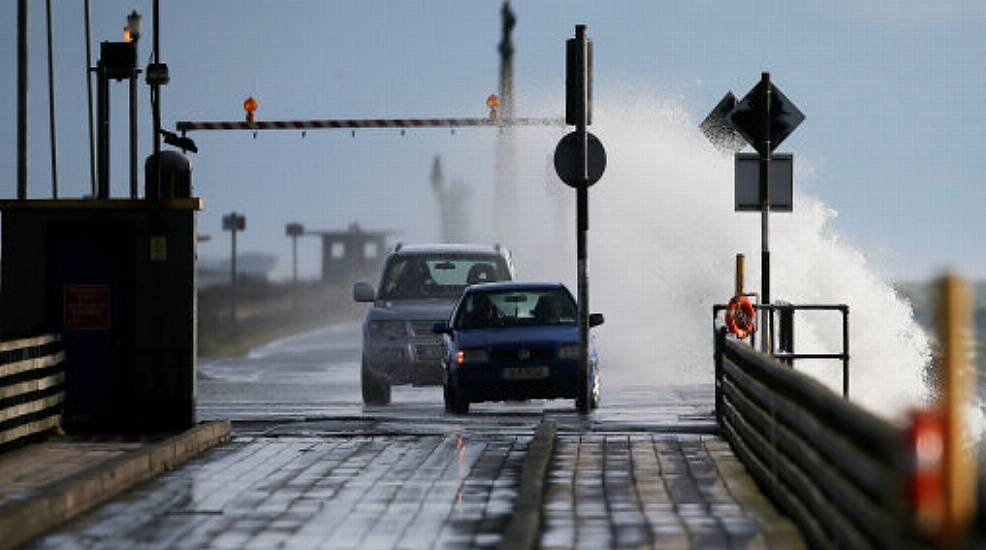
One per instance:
(596, 319)
(441, 328)
(363, 292)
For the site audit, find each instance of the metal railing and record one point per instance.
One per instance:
(839, 471)
(786, 351)
(32, 387)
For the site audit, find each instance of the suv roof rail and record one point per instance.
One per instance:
(397, 248)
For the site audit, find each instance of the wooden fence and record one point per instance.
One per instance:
(32, 387)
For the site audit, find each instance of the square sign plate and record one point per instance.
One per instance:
(747, 194)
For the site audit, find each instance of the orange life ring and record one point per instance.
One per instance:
(740, 317)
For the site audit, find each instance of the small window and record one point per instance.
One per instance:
(370, 250)
(338, 250)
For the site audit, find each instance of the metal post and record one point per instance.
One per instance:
(740, 273)
(22, 86)
(102, 132)
(156, 105)
(133, 132)
(92, 138)
(720, 342)
(51, 108)
(232, 263)
(582, 215)
(767, 344)
(505, 190)
(845, 351)
(294, 258)
(955, 332)
(785, 336)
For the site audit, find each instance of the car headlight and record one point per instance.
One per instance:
(568, 352)
(471, 356)
(387, 329)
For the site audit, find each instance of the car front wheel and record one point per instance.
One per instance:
(375, 391)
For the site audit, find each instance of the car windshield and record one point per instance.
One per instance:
(511, 308)
(441, 275)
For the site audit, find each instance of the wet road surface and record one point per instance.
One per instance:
(310, 466)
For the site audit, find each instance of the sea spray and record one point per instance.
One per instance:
(662, 242)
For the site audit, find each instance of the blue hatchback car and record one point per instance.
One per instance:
(515, 341)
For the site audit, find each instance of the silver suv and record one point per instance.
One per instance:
(420, 285)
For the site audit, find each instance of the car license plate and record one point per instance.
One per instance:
(525, 373)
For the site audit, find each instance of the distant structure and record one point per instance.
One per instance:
(505, 192)
(353, 254)
(452, 204)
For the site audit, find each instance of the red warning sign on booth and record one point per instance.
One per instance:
(87, 306)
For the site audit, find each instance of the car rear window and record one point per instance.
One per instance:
(433, 276)
(549, 307)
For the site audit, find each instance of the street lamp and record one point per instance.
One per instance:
(131, 33)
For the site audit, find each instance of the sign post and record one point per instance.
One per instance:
(233, 223)
(580, 161)
(767, 342)
(764, 118)
(294, 230)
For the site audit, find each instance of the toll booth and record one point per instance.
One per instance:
(351, 254)
(116, 278)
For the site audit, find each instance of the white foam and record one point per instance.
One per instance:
(663, 239)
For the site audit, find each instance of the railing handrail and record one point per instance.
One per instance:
(791, 355)
(30, 342)
(837, 468)
(861, 426)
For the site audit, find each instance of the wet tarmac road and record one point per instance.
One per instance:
(310, 466)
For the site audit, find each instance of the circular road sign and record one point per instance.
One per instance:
(566, 160)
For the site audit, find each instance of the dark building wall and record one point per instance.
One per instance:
(136, 371)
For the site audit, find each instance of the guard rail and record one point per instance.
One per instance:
(32, 387)
(839, 471)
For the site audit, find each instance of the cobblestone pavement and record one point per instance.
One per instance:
(656, 490)
(309, 466)
(330, 492)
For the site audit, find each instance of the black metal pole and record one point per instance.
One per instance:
(51, 108)
(845, 352)
(232, 309)
(294, 258)
(582, 215)
(767, 344)
(102, 132)
(92, 138)
(156, 104)
(22, 86)
(133, 131)
(720, 343)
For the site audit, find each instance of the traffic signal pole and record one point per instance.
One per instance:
(766, 319)
(582, 214)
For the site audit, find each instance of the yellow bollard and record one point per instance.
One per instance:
(955, 334)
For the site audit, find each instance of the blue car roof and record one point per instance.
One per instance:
(514, 286)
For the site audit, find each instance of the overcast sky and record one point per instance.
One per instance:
(893, 92)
